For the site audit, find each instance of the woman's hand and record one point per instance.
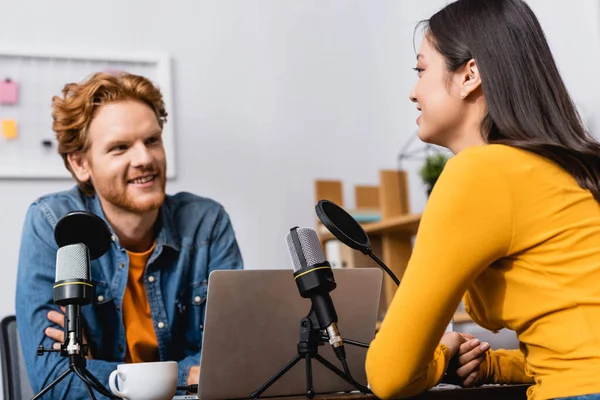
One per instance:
(470, 356)
(453, 340)
(467, 354)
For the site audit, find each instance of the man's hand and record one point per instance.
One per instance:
(58, 335)
(193, 375)
(470, 356)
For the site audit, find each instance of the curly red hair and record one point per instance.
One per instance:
(73, 112)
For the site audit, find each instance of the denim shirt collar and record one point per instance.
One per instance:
(167, 233)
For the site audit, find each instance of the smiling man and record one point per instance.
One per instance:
(151, 284)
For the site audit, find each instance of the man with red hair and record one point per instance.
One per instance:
(151, 284)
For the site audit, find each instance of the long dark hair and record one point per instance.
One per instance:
(528, 105)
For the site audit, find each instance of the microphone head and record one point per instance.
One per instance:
(73, 263)
(310, 248)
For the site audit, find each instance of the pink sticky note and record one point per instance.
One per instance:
(9, 92)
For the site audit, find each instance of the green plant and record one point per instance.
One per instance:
(433, 167)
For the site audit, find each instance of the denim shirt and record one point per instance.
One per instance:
(194, 237)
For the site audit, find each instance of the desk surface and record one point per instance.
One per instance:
(447, 392)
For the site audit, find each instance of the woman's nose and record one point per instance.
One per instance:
(412, 96)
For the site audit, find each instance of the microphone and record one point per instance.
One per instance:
(81, 237)
(73, 289)
(314, 278)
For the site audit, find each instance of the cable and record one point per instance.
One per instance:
(384, 267)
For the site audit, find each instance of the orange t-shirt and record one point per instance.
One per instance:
(142, 345)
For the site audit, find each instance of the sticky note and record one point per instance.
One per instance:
(9, 129)
(9, 92)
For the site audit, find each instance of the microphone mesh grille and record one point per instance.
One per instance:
(72, 262)
(311, 248)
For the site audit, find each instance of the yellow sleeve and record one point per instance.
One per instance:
(503, 366)
(466, 226)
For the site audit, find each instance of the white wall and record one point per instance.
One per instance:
(270, 95)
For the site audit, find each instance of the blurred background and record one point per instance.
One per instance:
(267, 97)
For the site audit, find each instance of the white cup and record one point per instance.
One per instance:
(145, 381)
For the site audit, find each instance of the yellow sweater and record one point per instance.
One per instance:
(522, 239)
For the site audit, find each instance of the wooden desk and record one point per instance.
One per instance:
(490, 392)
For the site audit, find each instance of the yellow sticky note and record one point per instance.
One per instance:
(9, 129)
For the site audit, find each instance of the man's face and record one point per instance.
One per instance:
(126, 159)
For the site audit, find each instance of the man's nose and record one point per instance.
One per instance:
(140, 156)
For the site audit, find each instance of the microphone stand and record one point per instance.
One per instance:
(311, 338)
(76, 352)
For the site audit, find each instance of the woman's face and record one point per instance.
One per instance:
(441, 97)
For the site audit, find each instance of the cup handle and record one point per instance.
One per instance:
(111, 383)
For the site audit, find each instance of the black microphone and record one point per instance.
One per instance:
(314, 278)
(73, 289)
(81, 236)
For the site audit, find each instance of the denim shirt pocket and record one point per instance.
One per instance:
(101, 324)
(191, 305)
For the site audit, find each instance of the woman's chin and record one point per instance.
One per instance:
(423, 135)
(428, 137)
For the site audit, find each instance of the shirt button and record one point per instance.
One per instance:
(197, 299)
(100, 299)
(121, 265)
(151, 279)
(113, 238)
(118, 308)
(161, 325)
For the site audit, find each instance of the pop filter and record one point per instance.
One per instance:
(348, 231)
(83, 227)
(343, 226)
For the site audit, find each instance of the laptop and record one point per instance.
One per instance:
(252, 328)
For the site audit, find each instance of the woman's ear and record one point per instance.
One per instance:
(79, 165)
(470, 79)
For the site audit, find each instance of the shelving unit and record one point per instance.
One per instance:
(391, 237)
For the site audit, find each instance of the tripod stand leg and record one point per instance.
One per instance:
(89, 390)
(274, 378)
(341, 374)
(81, 376)
(310, 392)
(86, 383)
(50, 386)
(100, 388)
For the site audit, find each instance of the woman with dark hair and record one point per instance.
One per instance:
(513, 221)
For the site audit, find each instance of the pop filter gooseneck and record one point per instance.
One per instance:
(348, 231)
